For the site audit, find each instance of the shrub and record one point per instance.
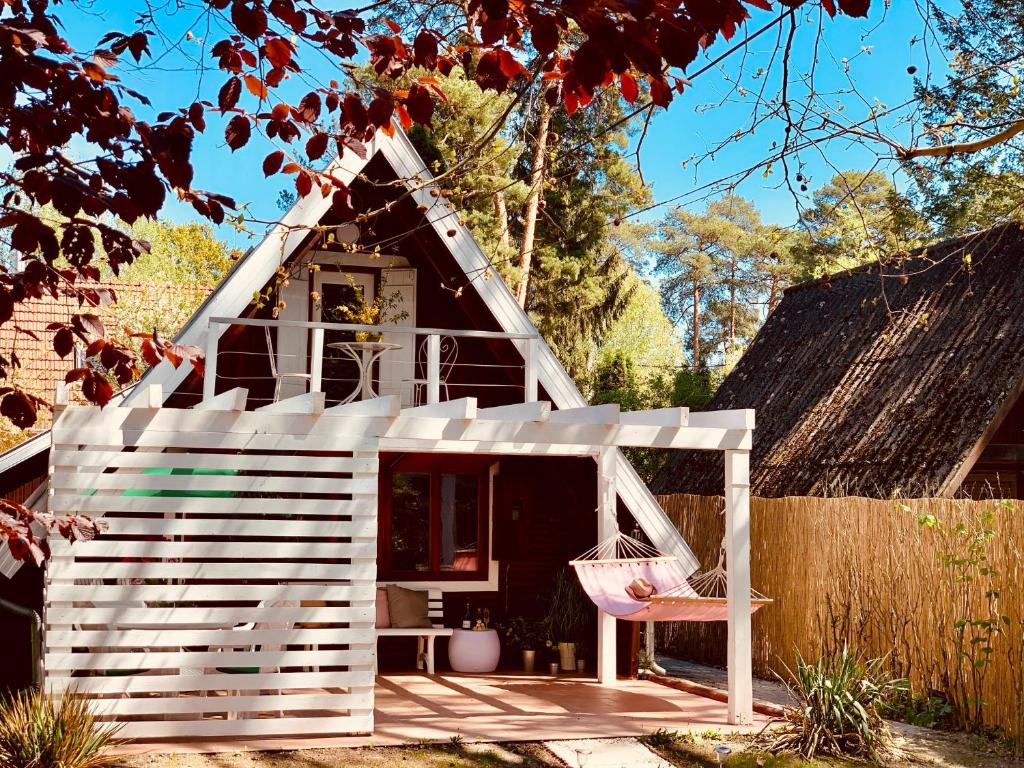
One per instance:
(40, 731)
(838, 713)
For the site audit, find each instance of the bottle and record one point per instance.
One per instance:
(467, 618)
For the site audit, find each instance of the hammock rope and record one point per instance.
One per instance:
(604, 572)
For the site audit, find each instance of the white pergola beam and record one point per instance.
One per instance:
(607, 525)
(460, 409)
(306, 403)
(232, 400)
(588, 414)
(387, 406)
(738, 419)
(538, 410)
(657, 417)
(740, 708)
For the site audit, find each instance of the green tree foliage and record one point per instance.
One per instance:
(857, 217)
(184, 263)
(711, 280)
(980, 97)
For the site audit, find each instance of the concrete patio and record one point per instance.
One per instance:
(411, 708)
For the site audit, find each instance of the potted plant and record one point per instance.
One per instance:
(527, 635)
(385, 308)
(567, 617)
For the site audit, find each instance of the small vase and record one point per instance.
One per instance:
(567, 656)
(581, 665)
(529, 658)
(554, 668)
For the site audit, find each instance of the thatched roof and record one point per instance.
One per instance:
(887, 380)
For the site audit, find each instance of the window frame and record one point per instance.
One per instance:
(435, 466)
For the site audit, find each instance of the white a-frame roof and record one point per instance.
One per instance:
(254, 271)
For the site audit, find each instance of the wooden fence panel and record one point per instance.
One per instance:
(233, 592)
(884, 576)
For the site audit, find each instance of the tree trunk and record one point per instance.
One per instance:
(526, 247)
(501, 212)
(774, 292)
(696, 325)
(732, 307)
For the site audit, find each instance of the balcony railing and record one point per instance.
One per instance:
(424, 365)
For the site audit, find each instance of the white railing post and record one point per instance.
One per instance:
(433, 368)
(210, 367)
(740, 708)
(607, 526)
(530, 369)
(316, 361)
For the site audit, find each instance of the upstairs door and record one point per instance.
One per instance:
(398, 366)
(339, 298)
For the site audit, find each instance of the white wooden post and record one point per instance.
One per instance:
(316, 361)
(210, 365)
(433, 369)
(530, 369)
(737, 564)
(607, 525)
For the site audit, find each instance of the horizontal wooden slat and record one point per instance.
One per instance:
(57, 682)
(233, 441)
(142, 660)
(69, 502)
(219, 461)
(255, 727)
(210, 483)
(125, 616)
(235, 550)
(169, 592)
(177, 637)
(72, 570)
(338, 702)
(207, 526)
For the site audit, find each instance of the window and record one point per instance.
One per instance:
(434, 518)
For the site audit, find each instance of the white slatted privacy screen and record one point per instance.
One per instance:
(233, 593)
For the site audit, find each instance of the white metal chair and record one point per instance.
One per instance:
(449, 353)
(280, 378)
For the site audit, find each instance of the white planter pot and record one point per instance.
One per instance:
(529, 659)
(567, 656)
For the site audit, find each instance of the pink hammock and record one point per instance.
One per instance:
(606, 570)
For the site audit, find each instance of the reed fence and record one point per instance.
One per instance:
(934, 585)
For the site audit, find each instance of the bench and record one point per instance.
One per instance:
(425, 636)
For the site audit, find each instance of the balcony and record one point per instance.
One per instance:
(276, 359)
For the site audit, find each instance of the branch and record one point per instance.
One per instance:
(963, 148)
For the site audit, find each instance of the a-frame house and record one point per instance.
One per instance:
(252, 511)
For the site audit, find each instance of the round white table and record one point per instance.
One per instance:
(471, 650)
(365, 354)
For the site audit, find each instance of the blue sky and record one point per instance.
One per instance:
(687, 128)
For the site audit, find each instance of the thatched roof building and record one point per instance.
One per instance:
(899, 378)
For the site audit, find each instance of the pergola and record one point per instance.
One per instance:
(93, 473)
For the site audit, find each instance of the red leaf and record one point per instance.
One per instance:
(19, 408)
(627, 84)
(96, 388)
(424, 50)
(403, 115)
(303, 184)
(229, 93)
(6, 306)
(272, 163)
(256, 86)
(310, 107)
(392, 25)
(510, 66)
(661, 94)
(237, 133)
(830, 8)
(316, 146)
(63, 342)
(420, 104)
(857, 8)
(250, 21)
(279, 51)
(195, 114)
(544, 32)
